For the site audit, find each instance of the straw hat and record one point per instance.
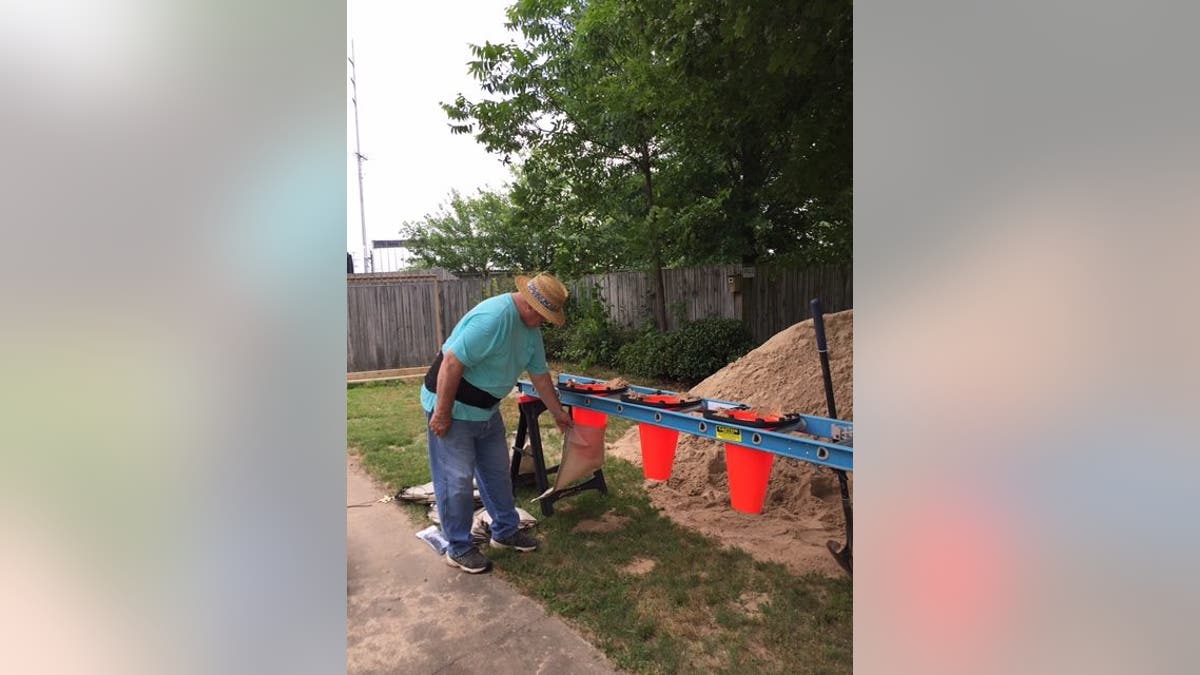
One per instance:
(546, 294)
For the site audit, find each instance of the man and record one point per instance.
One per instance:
(479, 364)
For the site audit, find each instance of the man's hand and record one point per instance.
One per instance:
(549, 395)
(439, 423)
(563, 420)
(448, 380)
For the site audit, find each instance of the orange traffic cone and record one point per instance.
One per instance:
(589, 418)
(749, 471)
(658, 450)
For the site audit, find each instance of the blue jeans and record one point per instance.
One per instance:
(478, 449)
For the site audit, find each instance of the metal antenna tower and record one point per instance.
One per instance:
(368, 263)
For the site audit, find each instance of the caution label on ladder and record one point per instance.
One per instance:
(729, 434)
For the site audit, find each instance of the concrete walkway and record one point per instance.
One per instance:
(408, 612)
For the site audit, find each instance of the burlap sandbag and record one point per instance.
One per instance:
(583, 453)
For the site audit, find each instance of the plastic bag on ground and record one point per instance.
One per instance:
(423, 494)
(433, 536)
(481, 525)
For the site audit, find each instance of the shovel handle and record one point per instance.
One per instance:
(818, 318)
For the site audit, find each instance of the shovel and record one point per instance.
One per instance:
(844, 555)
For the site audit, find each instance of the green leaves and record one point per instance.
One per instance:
(690, 354)
(463, 236)
(590, 337)
(670, 131)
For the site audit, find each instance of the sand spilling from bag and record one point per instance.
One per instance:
(803, 506)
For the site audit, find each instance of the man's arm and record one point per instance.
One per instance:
(549, 395)
(447, 387)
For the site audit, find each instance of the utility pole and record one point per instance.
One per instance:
(368, 264)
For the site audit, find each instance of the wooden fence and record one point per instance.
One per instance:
(768, 298)
(778, 297)
(396, 322)
(402, 322)
(692, 293)
(390, 325)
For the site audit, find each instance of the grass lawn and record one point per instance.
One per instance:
(655, 597)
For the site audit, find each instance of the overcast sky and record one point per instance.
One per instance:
(410, 57)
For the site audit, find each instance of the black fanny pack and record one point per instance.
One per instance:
(467, 393)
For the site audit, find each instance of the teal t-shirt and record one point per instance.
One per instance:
(495, 347)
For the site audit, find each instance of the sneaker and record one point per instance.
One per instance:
(471, 562)
(520, 540)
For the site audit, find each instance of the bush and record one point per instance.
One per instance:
(703, 347)
(687, 355)
(589, 338)
(555, 339)
(643, 356)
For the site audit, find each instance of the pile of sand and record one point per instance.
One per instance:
(803, 507)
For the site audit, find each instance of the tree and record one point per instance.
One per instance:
(462, 235)
(549, 207)
(523, 231)
(767, 118)
(653, 133)
(578, 91)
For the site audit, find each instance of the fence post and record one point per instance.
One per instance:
(748, 301)
(437, 310)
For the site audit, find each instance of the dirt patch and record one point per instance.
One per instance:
(639, 566)
(803, 505)
(629, 448)
(609, 522)
(751, 604)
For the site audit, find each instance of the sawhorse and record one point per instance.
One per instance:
(531, 408)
